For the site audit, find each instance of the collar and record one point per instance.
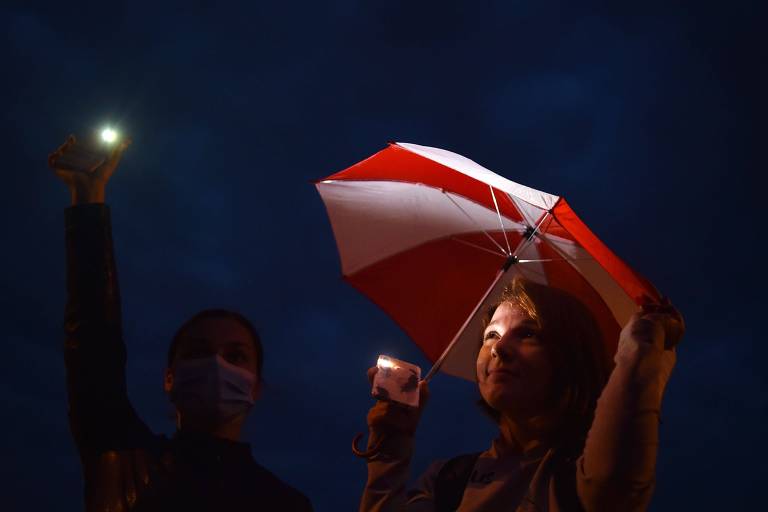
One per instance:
(207, 448)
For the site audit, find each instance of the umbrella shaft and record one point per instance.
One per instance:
(435, 367)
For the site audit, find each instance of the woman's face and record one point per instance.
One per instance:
(514, 372)
(225, 337)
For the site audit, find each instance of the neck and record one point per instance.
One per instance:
(524, 434)
(229, 430)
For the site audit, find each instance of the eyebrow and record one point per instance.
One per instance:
(235, 343)
(227, 344)
(525, 323)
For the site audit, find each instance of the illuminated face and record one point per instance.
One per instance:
(514, 372)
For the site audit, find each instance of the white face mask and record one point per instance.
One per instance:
(211, 387)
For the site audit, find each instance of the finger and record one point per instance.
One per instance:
(635, 316)
(648, 328)
(53, 157)
(662, 309)
(71, 141)
(645, 299)
(372, 373)
(667, 317)
(58, 152)
(423, 393)
(674, 311)
(117, 154)
(106, 168)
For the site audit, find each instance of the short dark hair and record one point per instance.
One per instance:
(220, 313)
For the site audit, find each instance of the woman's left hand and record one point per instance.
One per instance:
(658, 324)
(648, 341)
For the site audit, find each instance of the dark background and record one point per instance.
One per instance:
(647, 117)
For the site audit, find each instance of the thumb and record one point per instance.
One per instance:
(114, 158)
(423, 394)
(372, 373)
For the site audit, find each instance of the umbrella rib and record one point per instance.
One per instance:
(501, 223)
(554, 259)
(525, 242)
(478, 247)
(475, 223)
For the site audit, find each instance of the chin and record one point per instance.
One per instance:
(501, 402)
(512, 404)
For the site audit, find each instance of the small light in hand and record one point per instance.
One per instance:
(385, 362)
(108, 135)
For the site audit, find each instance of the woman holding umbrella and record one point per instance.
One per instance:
(574, 433)
(405, 219)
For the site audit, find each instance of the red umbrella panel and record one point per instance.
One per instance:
(432, 237)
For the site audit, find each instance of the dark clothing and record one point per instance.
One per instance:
(125, 465)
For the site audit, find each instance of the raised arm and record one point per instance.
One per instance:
(100, 415)
(391, 429)
(617, 468)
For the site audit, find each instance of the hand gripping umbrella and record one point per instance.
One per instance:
(432, 237)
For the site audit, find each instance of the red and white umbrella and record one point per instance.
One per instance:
(432, 237)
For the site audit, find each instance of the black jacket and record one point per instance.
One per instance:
(125, 465)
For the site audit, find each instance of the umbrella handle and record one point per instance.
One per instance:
(367, 454)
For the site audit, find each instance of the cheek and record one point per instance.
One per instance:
(483, 357)
(541, 368)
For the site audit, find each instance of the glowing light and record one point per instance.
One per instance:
(108, 135)
(327, 181)
(385, 362)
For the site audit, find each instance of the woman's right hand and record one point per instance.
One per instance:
(386, 418)
(87, 181)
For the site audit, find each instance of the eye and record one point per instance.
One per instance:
(194, 353)
(235, 357)
(530, 336)
(491, 336)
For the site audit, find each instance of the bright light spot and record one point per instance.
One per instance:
(327, 181)
(108, 135)
(385, 362)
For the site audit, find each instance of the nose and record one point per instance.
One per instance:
(504, 348)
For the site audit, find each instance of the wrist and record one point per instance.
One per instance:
(645, 365)
(391, 445)
(88, 194)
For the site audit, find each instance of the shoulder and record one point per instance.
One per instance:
(444, 481)
(457, 469)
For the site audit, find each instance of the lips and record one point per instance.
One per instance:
(504, 372)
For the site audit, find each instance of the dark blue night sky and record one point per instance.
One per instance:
(646, 117)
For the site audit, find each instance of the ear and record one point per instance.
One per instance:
(168, 380)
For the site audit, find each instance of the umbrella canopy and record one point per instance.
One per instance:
(432, 237)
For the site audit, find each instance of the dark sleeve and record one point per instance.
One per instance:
(303, 504)
(100, 415)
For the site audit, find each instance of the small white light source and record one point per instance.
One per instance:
(385, 362)
(108, 135)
